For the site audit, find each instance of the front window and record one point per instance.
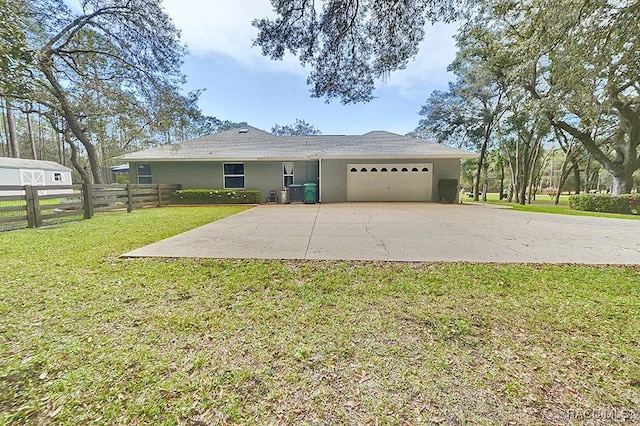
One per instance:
(287, 174)
(144, 173)
(234, 176)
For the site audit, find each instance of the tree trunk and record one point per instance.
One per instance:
(14, 148)
(481, 159)
(622, 183)
(74, 159)
(5, 143)
(32, 142)
(564, 173)
(45, 66)
(512, 178)
(626, 155)
(59, 145)
(576, 175)
(522, 186)
(535, 176)
(501, 181)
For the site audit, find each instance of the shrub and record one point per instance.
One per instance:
(634, 203)
(448, 190)
(625, 204)
(218, 196)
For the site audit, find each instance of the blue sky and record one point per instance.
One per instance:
(242, 85)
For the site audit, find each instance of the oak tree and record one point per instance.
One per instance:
(349, 44)
(128, 45)
(300, 127)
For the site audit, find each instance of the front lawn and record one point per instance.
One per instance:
(87, 337)
(545, 204)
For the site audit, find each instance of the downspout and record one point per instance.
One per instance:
(319, 180)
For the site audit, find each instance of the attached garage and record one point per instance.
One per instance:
(389, 182)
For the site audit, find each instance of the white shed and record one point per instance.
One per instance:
(21, 172)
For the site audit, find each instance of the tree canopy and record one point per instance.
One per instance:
(300, 127)
(581, 68)
(577, 68)
(105, 78)
(349, 44)
(123, 47)
(15, 56)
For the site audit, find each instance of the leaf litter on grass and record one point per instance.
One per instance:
(302, 342)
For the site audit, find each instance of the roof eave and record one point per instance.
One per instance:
(216, 159)
(460, 156)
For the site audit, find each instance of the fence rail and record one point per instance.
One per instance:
(35, 206)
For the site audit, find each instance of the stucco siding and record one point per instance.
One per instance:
(444, 169)
(263, 176)
(266, 176)
(190, 175)
(333, 181)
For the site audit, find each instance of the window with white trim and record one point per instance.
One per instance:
(233, 175)
(144, 173)
(58, 177)
(287, 174)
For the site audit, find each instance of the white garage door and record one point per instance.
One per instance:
(389, 182)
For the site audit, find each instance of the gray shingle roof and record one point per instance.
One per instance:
(22, 163)
(256, 144)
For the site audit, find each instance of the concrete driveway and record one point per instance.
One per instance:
(406, 232)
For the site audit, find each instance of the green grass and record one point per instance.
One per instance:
(545, 204)
(87, 337)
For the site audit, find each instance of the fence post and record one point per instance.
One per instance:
(87, 200)
(159, 195)
(33, 206)
(129, 199)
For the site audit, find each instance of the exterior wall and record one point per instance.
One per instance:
(334, 175)
(12, 176)
(445, 169)
(9, 176)
(265, 176)
(49, 178)
(191, 175)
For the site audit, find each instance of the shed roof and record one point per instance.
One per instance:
(22, 163)
(251, 143)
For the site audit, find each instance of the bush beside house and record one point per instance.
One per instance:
(217, 196)
(625, 204)
(448, 190)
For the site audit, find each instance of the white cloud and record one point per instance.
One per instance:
(224, 27)
(429, 68)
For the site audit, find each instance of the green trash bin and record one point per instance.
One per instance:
(310, 193)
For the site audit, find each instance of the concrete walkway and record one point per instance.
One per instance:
(406, 232)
